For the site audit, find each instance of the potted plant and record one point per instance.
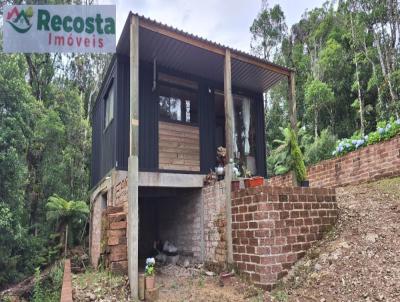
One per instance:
(290, 157)
(252, 181)
(149, 273)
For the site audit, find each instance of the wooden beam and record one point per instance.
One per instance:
(163, 30)
(229, 139)
(292, 107)
(180, 37)
(261, 63)
(133, 166)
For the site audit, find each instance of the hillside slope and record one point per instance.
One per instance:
(359, 260)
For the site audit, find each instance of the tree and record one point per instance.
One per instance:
(268, 30)
(65, 212)
(318, 95)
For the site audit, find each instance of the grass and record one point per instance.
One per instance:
(389, 186)
(280, 295)
(201, 281)
(100, 282)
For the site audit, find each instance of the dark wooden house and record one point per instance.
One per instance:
(192, 96)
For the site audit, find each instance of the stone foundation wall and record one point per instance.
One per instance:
(367, 164)
(272, 227)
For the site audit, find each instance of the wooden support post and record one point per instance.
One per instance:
(292, 112)
(133, 167)
(292, 100)
(229, 139)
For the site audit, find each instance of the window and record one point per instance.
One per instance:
(109, 106)
(245, 135)
(177, 104)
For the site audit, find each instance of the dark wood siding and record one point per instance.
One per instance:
(148, 120)
(207, 127)
(122, 79)
(103, 140)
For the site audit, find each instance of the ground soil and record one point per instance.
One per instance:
(358, 260)
(176, 284)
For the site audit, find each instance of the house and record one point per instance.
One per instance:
(170, 99)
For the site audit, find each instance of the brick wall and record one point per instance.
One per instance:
(121, 193)
(214, 222)
(114, 239)
(272, 227)
(370, 163)
(179, 221)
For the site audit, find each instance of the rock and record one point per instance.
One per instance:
(210, 274)
(371, 237)
(345, 245)
(186, 263)
(318, 267)
(90, 297)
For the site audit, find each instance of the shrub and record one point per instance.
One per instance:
(297, 158)
(288, 155)
(321, 148)
(384, 131)
(48, 289)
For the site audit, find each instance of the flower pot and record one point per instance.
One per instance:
(305, 183)
(150, 282)
(235, 185)
(254, 182)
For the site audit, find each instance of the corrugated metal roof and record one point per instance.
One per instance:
(188, 58)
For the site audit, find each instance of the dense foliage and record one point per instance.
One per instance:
(346, 57)
(48, 288)
(44, 150)
(288, 155)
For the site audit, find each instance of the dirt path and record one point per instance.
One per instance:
(360, 259)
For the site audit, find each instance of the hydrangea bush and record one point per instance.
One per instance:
(384, 131)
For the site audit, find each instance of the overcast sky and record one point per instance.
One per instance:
(223, 21)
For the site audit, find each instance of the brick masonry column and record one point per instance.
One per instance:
(273, 227)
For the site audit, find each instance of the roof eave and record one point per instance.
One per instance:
(200, 42)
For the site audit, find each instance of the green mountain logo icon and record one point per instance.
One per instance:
(20, 20)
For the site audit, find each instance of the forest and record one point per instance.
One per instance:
(345, 54)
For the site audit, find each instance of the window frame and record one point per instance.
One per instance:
(110, 88)
(183, 105)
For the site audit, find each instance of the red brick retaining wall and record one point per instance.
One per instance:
(66, 290)
(272, 227)
(370, 163)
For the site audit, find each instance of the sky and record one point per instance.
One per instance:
(223, 21)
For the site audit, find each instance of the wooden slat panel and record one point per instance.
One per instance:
(179, 147)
